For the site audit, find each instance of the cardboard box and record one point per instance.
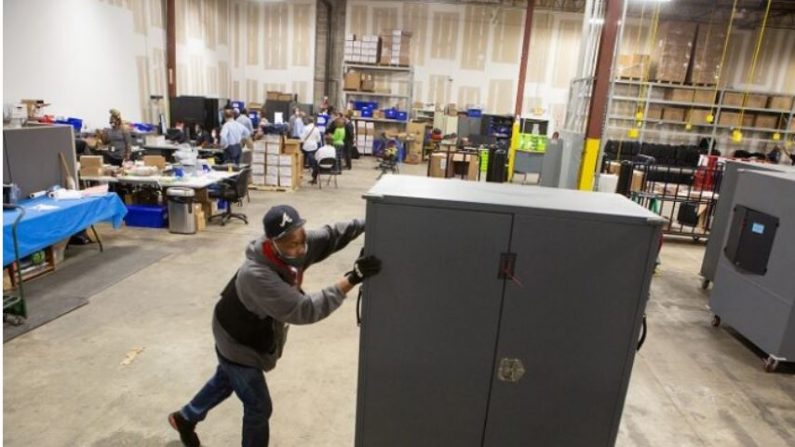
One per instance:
(273, 96)
(413, 159)
(732, 119)
(158, 161)
(780, 103)
(287, 182)
(415, 148)
(271, 171)
(416, 131)
(438, 166)
(705, 66)
(704, 97)
(655, 112)
(613, 167)
(258, 179)
(258, 146)
(258, 169)
(272, 138)
(292, 146)
(272, 180)
(674, 114)
(632, 66)
(91, 166)
(92, 172)
(464, 163)
(368, 81)
(736, 99)
(258, 157)
(699, 116)
(286, 160)
(671, 56)
(353, 80)
(766, 121)
(273, 149)
(272, 160)
(679, 95)
(286, 97)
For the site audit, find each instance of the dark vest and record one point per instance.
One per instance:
(246, 327)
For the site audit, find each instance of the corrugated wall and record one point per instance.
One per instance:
(240, 49)
(469, 54)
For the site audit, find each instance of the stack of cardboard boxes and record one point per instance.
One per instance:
(366, 50)
(277, 162)
(671, 57)
(91, 166)
(705, 67)
(396, 48)
(415, 133)
(365, 134)
(633, 66)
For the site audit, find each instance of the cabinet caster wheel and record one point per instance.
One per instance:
(696, 239)
(715, 321)
(704, 284)
(771, 364)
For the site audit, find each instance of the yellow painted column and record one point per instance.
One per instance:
(590, 155)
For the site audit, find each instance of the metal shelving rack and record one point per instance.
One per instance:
(404, 75)
(715, 131)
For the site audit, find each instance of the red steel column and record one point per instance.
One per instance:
(528, 25)
(171, 48)
(601, 87)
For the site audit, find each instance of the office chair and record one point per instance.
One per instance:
(232, 190)
(329, 166)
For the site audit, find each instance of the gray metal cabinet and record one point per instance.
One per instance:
(723, 211)
(759, 303)
(504, 315)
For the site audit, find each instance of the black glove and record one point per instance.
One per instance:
(363, 268)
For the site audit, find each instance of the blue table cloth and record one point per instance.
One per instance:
(48, 221)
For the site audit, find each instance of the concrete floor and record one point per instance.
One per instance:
(64, 384)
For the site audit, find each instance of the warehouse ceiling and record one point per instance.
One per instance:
(749, 12)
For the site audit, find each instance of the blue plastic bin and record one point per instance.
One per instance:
(76, 123)
(390, 114)
(402, 116)
(367, 113)
(147, 216)
(239, 105)
(474, 113)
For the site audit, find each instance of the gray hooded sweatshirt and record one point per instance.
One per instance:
(263, 292)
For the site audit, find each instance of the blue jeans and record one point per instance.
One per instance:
(249, 385)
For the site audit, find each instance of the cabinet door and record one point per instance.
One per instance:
(573, 326)
(429, 325)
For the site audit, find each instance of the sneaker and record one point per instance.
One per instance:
(186, 429)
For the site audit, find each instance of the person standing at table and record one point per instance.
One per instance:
(242, 118)
(232, 136)
(118, 140)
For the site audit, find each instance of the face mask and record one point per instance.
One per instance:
(295, 261)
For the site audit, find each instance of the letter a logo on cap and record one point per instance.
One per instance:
(285, 219)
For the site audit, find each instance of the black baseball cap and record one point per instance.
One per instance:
(280, 220)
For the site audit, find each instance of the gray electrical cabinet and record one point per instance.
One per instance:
(504, 315)
(723, 211)
(754, 292)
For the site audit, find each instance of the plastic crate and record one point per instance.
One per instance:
(367, 113)
(76, 123)
(239, 105)
(402, 116)
(147, 216)
(390, 114)
(475, 113)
